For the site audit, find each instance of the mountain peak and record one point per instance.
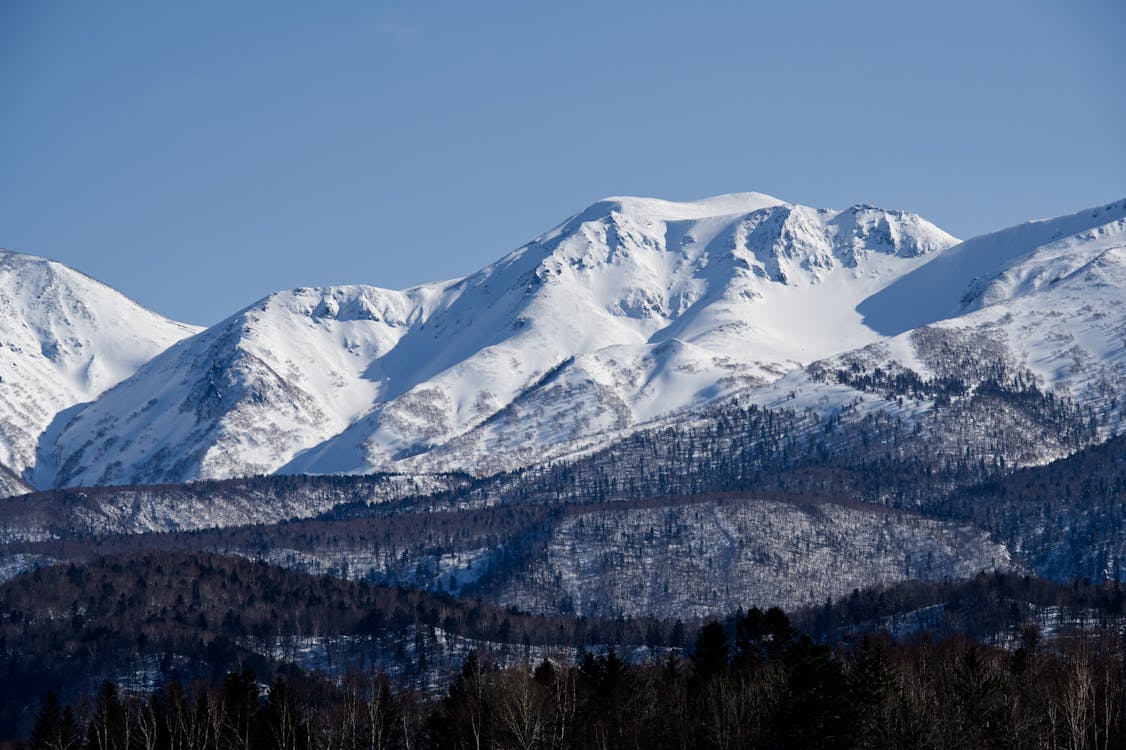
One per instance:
(645, 210)
(628, 294)
(751, 236)
(718, 205)
(64, 339)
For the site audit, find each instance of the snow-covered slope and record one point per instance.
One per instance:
(1042, 303)
(11, 484)
(629, 311)
(632, 310)
(1016, 262)
(64, 339)
(244, 395)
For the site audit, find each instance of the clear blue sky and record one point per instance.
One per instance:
(198, 155)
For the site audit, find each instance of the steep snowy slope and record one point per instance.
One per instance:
(64, 339)
(1041, 305)
(1017, 261)
(630, 310)
(636, 309)
(273, 379)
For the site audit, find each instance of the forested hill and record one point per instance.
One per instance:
(149, 617)
(757, 679)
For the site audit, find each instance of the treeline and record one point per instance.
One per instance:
(1067, 518)
(99, 511)
(406, 548)
(390, 546)
(758, 682)
(159, 595)
(989, 424)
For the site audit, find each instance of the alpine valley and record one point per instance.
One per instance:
(655, 408)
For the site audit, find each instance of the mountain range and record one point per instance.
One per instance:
(631, 310)
(654, 407)
(629, 314)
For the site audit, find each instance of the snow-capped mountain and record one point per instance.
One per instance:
(269, 381)
(64, 339)
(1053, 293)
(632, 310)
(1042, 303)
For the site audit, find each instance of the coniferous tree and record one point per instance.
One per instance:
(283, 724)
(107, 729)
(711, 653)
(45, 730)
(55, 727)
(239, 700)
(465, 717)
(871, 692)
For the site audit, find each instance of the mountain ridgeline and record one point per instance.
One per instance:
(631, 311)
(654, 408)
(631, 314)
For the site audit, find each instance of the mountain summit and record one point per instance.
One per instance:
(630, 310)
(64, 339)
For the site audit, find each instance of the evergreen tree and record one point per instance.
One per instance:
(240, 702)
(107, 729)
(871, 690)
(711, 653)
(55, 727)
(465, 717)
(284, 724)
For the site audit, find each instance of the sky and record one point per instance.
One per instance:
(198, 156)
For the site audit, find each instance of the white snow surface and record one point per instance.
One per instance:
(630, 311)
(64, 339)
(1047, 297)
(1014, 262)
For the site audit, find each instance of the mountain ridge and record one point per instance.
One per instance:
(630, 312)
(673, 283)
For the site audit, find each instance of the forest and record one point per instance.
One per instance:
(175, 649)
(756, 682)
